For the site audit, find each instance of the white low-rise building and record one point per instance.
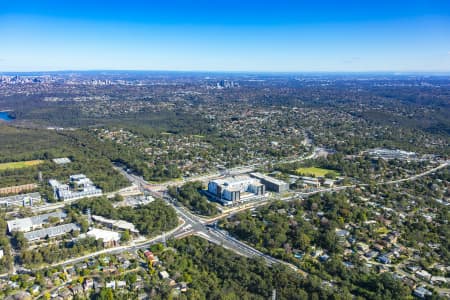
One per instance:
(50, 232)
(120, 224)
(110, 238)
(111, 284)
(164, 275)
(35, 222)
(439, 280)
(392, 154)
(29, 199)
(79, 187)
(424, 275)
(61, 160)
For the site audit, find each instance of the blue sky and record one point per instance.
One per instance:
(292, 36)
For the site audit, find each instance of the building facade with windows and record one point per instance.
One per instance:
(271, 184)
(79, 187)
(235, 189)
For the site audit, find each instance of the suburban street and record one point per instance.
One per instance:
(191, 224)
(199, 226)
(237, 150)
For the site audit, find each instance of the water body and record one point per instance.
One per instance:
(4, 116)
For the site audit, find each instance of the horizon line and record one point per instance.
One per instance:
(442, 72)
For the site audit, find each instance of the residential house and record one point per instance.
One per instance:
(35, 289)
(88, 284)
(384, 260)
(111, 284)
(422, 292)
(424, 275)
(164, 275)
(439, 280)
(77, 289)
(120, 284)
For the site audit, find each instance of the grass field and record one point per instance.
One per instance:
(20, 164)
(382, 230)
(318, 172)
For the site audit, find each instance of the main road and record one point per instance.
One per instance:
(200, 226)
(191, 224)
(196, 225)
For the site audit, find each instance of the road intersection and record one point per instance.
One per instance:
(191, 224)
(200, 226)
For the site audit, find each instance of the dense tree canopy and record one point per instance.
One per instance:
(189, 195)
(150, 219)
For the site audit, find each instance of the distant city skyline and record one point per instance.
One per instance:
(226, 36)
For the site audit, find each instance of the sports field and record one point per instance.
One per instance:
(317, 172)
(20, 164)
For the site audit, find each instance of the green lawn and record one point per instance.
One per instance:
(20, 164)
(318, 172)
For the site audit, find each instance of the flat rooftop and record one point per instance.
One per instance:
(116, 223)
(61, 160)
(268, 178)
(233, 179)
(25, 223)
(20, 197)
(105, 235)
(51, 231)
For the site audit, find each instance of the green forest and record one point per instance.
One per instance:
(150, 219)
(216, 273)
(46, 145)
(271, 231)
(189, 195)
